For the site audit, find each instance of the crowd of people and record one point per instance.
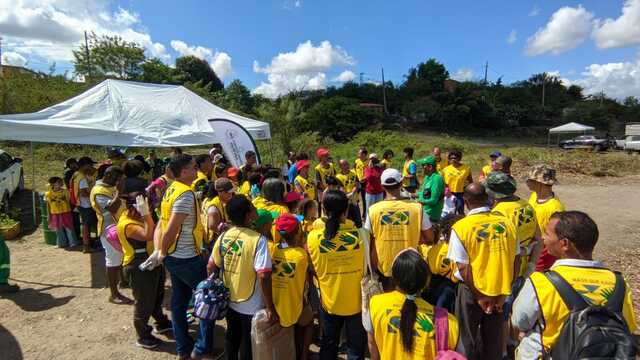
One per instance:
(467, 260)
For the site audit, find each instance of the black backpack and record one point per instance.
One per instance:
(592, 331)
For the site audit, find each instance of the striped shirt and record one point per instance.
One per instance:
(185, 247)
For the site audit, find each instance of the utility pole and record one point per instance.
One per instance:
(86, 51)
(384, 94)
(361, 76)
(486, 67)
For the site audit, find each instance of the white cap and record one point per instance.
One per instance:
(391, 177)
(217, 157)
(373, 156)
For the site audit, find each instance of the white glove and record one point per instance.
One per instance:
(152, 262)
(142, 206)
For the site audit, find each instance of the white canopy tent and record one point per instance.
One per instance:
(127, 114)
(569, 128)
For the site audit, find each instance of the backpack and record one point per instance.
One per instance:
(592, 331)
(211, 297)
(442, 337)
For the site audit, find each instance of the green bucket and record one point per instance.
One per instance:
(50, 237)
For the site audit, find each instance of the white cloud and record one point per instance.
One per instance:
(13, 58)
(303, 68)
(513, 37)
(535, 11)
(618, 80)
(220, 62)
(51, 29)
(463, 75)
(567, 28)
(345, 76)
(623, 31)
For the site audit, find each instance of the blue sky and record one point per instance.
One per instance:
(573, 38)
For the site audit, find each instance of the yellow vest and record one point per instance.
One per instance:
(360, 165)
(486, 170)
(594, 284)
(200, 177)
(58, 201)
(405, 173)
(339, 267)
(456, 177)
(287, 282)
(259, 202)
(128, 249)
(523, 217)
(174, 191)
(238, 245)
(325, 172)
(110, 192)
(348, 180)
(245, 189)
(436, 258)
(490, 242)
(386, 164)
(222, 210)
(440, 165)
(545, 210)
(385, 318)
(75, 183)
(307, 187)
(396, 225)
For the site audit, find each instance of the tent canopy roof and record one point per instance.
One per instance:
(124, 113)
(571, 127)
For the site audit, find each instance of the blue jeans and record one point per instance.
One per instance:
(371, 199)
(66, 237)
(331, 328)
(459, 203)
(186, 274)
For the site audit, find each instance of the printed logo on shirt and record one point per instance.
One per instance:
(235, 249)
(395, 218)
(283, 268)
(489, 232)
(423, 324)
(343, 242)
(525, 215)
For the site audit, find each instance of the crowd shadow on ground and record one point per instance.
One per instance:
(9, 346)
(34, 300)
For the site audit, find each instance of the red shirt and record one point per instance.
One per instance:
(372, 180)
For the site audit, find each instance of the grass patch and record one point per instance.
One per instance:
(50, 157)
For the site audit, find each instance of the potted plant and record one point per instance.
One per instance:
(9, 226)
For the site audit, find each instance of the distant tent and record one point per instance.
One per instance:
(568, 128)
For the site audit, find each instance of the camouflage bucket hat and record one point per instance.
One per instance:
(499, 185)
(542, 174)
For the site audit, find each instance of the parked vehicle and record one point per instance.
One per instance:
(586, 142)
(632, 143)
(11, 178)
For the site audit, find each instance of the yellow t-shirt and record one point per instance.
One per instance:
(440, 165)
(307, 187)
(386, 164)
(396, 225)
(348, 180)
(325, 172)
(385, 318)
(339, 267)
(545, 210)
(486, 170)
(436, 258)
(288, 281)
(58, 201)
(245, 189)
(594, 284)
(490, 242)
(456, 177)
(359, 167)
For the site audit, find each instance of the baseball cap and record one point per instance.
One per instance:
(85, 160)
(322, 152)
(542, 173)
(495, 154)
(217, 157)
(292, 196)
(373, 156)
(499, 185)
(391, 177)
(429, 160)
(233, 171)
(286, 223)
(223, 184)
(301, 164)
(264, 217)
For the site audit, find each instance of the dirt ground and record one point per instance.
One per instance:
(62, 310)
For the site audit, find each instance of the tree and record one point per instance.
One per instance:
(337, 117)
(239, 97)
(425, 79)
(155, 71)
(284, 116)
(193, 70)
(109, 56)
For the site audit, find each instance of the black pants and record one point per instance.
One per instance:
(238, 336)
(331, 329)
(148, 292)
(364, 199)
(481, 334)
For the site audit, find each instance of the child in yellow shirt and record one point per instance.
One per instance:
(60, 216)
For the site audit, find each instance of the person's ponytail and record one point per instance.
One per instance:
(335, 204)
(408, 315)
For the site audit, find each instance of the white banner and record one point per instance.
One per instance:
(235, 141)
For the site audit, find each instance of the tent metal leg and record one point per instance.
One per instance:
(33, 184)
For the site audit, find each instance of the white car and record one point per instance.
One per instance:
(632, 143)
(11, 178)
